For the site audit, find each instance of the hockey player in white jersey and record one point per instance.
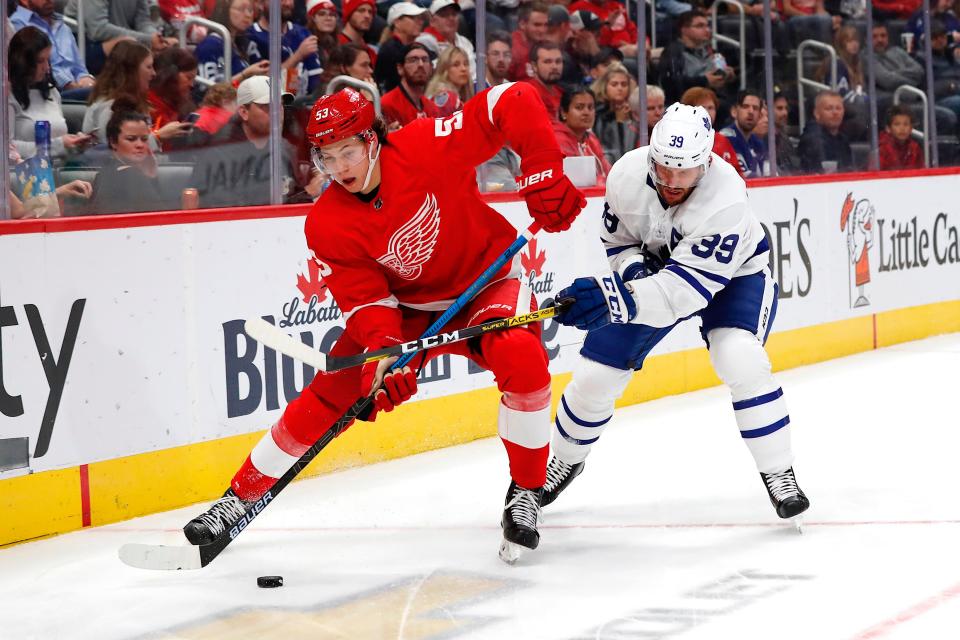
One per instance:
(682, 241)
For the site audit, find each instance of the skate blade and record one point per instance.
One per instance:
(798, 523)
(510, 552)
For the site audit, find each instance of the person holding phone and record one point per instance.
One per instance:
(170, 96)
(34, 97)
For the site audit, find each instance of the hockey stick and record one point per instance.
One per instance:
(270, 336)
(147, 556)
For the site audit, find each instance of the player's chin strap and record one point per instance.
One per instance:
(371, 156)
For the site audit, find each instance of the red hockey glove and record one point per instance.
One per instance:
(551, 198)
(388, 388)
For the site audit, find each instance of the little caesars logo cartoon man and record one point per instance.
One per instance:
(857, 221)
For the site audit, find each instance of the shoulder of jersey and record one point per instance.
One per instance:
(632, 166)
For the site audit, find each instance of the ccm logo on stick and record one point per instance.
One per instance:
(527, 181)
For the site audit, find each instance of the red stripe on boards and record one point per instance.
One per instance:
(85, 495)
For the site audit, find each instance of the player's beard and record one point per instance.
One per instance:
(674, 197)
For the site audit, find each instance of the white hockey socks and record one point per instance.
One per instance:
(585, 409)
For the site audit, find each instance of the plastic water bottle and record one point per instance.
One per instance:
(41, 134)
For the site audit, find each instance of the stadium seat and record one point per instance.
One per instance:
(73, 112)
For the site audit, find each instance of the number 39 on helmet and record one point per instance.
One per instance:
(682, 139)
(339, 116)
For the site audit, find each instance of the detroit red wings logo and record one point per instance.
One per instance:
(411, 245)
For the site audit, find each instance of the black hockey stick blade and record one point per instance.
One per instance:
(172, 558)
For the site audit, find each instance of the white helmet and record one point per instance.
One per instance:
(683, 139)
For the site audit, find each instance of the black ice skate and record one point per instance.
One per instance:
(559, 476)
(223, 513)
(785, 496)
(520, 513)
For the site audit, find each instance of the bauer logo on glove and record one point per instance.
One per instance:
(551, 198)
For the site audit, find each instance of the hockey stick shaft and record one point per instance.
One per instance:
(210, 551)
(268, 335)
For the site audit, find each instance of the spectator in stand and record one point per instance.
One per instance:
(940, 10)
(357, 19)
(442, 33)
(127, 182)
(531, 29)
(894, 66)
(573, 130)
(450, 85)
(70, 74)
(237, 16)
(33, 97)
(350, 60)
(706, 98)
(600, 62)
(404, 25)
(751, 150)
(547, 63)
(174, 12)
(884, 10)
(558, 31)
(851, 80)
(690, 61)
(107, 22)
(407, 101)
(127, 74)
(582, 45)
(620, 32)
(171, 91)
(946, 68)
(499, 57)
(808, 19)
(236, 170)
(298, 49)
(322, 22)
(219, 104)
(898, 150)
(824, 148)
(788, 160)
(656, 105)
(616, 126)
(75, 189)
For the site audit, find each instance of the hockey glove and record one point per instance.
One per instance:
(551, 198)
(387, 388)
(597, 302)
(639, 266)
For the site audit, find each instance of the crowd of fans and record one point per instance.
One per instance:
(158, 118)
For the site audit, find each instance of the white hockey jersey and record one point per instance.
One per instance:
(706, 241)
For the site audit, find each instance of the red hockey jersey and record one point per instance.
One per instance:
(427, 234)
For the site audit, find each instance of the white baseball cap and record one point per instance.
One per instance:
(257, 89)
(437, 5)
(401, 9)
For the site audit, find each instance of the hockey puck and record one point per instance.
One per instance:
(269, 582)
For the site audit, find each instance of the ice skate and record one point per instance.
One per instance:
(786, 496)
(559, 476)
(520, 513)
(208, 525)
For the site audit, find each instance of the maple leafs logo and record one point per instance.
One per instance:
(532, 260)
(313, 284)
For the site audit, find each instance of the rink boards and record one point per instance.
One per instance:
(127, 385)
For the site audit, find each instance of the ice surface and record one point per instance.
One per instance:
(667, 534)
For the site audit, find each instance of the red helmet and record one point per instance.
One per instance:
(337, 117)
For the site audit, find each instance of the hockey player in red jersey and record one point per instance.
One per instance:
(400, 233)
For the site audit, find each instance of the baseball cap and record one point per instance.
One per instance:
(438, 5)
(315, 5)
(557, 15)
(257, 89)
(401, 9)
(584, 19)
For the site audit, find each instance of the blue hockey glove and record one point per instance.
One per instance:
(640, 265)
(597, 302)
